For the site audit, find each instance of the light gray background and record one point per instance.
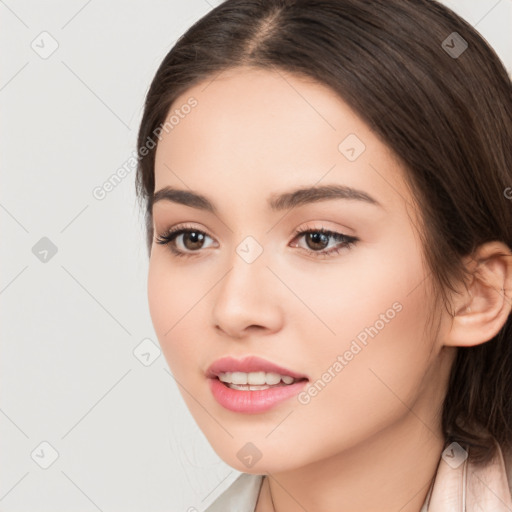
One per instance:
(70, 324)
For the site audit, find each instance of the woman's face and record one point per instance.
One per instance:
(349, 314)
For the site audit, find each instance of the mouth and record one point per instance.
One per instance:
(252, 385)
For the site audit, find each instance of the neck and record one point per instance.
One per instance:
(391, 471)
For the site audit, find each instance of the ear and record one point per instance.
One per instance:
(482, 308)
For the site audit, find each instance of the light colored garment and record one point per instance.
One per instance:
(465, 488)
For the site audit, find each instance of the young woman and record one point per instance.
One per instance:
(327, 186)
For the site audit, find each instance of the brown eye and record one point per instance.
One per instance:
(183, 241)
(317, 240)
(196, 239)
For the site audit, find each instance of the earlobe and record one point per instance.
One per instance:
(484, 306)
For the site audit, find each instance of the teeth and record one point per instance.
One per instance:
(274, 378)
(254, 379)
(247, 387)
(238, 378)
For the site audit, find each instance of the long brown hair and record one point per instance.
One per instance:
(441, 101)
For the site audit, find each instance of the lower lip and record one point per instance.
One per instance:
(253, 401)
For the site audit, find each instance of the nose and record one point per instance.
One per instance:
(248, 300)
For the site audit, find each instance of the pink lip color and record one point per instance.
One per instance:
(247, 365)
(251, 401)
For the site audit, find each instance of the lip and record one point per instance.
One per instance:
(247, 365)
(246, 401)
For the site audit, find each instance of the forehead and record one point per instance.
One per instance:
(259, 131)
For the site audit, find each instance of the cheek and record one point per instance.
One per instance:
(160, 301)
(371, 293)
(169, 300)
(371, 386)
(379, 348)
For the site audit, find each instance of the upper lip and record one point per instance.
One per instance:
(247, 365)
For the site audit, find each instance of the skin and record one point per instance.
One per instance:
(371, 439)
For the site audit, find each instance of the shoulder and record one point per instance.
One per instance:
(240, 496)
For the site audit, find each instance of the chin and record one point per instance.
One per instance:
(258, 457)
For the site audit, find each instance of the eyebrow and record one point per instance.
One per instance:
(276, 202)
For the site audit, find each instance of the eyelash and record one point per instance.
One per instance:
(346, 242)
